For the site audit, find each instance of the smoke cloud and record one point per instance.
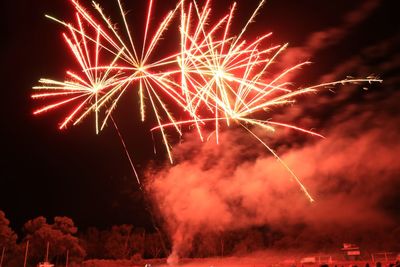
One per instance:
(236, 184)
(329, 37)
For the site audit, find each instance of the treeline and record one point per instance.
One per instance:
(125, 242)
(67, 245)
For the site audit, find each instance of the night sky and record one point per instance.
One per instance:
(87, 177)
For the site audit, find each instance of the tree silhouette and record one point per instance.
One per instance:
(123, 242)
(59, 236)
(8, 239)
(153, 245)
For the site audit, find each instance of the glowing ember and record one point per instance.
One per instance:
(214, 76)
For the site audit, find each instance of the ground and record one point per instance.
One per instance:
(259, 259)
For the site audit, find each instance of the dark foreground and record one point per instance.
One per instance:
(261, 259)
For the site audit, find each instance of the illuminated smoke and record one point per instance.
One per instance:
(233, 185)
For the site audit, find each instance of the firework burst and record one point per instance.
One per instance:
(214, 76)
(86, 90)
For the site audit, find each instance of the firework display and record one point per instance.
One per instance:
(214, 76)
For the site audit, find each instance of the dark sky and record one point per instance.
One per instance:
(87, 177)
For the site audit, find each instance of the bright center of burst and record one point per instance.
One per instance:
(219, 73)
(141, 69)
(96, 88)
